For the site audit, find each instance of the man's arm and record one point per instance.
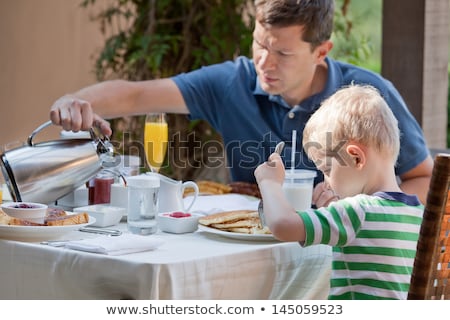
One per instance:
(110, 99)
(417, 180)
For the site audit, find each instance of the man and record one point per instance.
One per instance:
(256, 103)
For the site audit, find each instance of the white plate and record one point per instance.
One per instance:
(38, 233)
(236, 235)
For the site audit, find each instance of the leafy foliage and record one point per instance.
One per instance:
(151, 39)
(348, 46)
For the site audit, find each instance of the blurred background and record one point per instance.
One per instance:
(48, 49)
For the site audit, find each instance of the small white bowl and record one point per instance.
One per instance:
(105, 215)
(186, 224)
(29, 211)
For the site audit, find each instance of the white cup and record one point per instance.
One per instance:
(119, 195)
(81, 197)
(76, 198)
(298, 188)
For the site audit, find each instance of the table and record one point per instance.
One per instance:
(196, 266)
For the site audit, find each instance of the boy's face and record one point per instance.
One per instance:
(341, 174)
(284, 63)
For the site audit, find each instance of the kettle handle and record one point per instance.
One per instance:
(45, 125)
(31, 136)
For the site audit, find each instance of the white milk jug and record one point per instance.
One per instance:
(171, 194)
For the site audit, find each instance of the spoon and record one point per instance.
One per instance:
(279, 147)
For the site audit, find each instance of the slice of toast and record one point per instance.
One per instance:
(53, 220)
(70, 219)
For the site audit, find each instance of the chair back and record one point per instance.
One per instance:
(430, 277)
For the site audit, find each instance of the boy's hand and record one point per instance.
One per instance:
(273, 170)
(323, 195)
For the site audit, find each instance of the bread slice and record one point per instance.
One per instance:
(208, 187)
(66, 220)
(228, 216)
(4, 218)
(54, 218)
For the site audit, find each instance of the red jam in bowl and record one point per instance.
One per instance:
(178, 214)
(24, 206)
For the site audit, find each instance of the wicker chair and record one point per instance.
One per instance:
(431, 272)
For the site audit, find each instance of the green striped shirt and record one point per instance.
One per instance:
(374, 239)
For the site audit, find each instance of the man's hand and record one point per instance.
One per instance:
(77, 114)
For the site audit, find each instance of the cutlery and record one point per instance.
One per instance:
(278, 148)
(262, 219)
(55, 243)
(109, 232)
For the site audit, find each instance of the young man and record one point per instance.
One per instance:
(372, 226)
(255, 103)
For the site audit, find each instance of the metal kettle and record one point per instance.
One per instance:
(46, 171)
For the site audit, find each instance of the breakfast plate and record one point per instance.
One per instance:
(38, 233)
(236, 235)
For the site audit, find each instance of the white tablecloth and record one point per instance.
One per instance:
(191, 266)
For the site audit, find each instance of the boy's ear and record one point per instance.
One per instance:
(357, 155)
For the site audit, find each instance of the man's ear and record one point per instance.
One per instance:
(357, 155)
(322, 50)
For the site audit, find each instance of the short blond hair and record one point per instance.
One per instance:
(355, 113)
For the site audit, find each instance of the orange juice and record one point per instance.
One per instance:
(156, 137)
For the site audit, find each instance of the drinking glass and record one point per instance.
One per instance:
(156, 136)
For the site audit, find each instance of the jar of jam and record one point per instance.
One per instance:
(102, 188)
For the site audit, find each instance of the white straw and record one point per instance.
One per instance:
(294, 146)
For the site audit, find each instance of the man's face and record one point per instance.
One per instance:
(284, 63)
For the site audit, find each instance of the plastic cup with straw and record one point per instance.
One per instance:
(298, 184)
(294, 147)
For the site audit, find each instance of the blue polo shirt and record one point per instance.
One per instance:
(251, 121)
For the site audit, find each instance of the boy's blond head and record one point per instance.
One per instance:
(355, 113)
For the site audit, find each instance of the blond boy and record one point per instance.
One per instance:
(372, 225)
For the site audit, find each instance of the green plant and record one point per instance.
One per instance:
(154, 39)
(347, 44)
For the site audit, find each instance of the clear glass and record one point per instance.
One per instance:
(142, 209)
(156, 136)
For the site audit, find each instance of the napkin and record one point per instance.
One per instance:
(114, 246)
(209, 204)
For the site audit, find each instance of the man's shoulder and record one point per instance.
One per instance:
(241, 65)
(239, 69)
(352, 73)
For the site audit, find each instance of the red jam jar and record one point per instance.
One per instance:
(102, 188)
